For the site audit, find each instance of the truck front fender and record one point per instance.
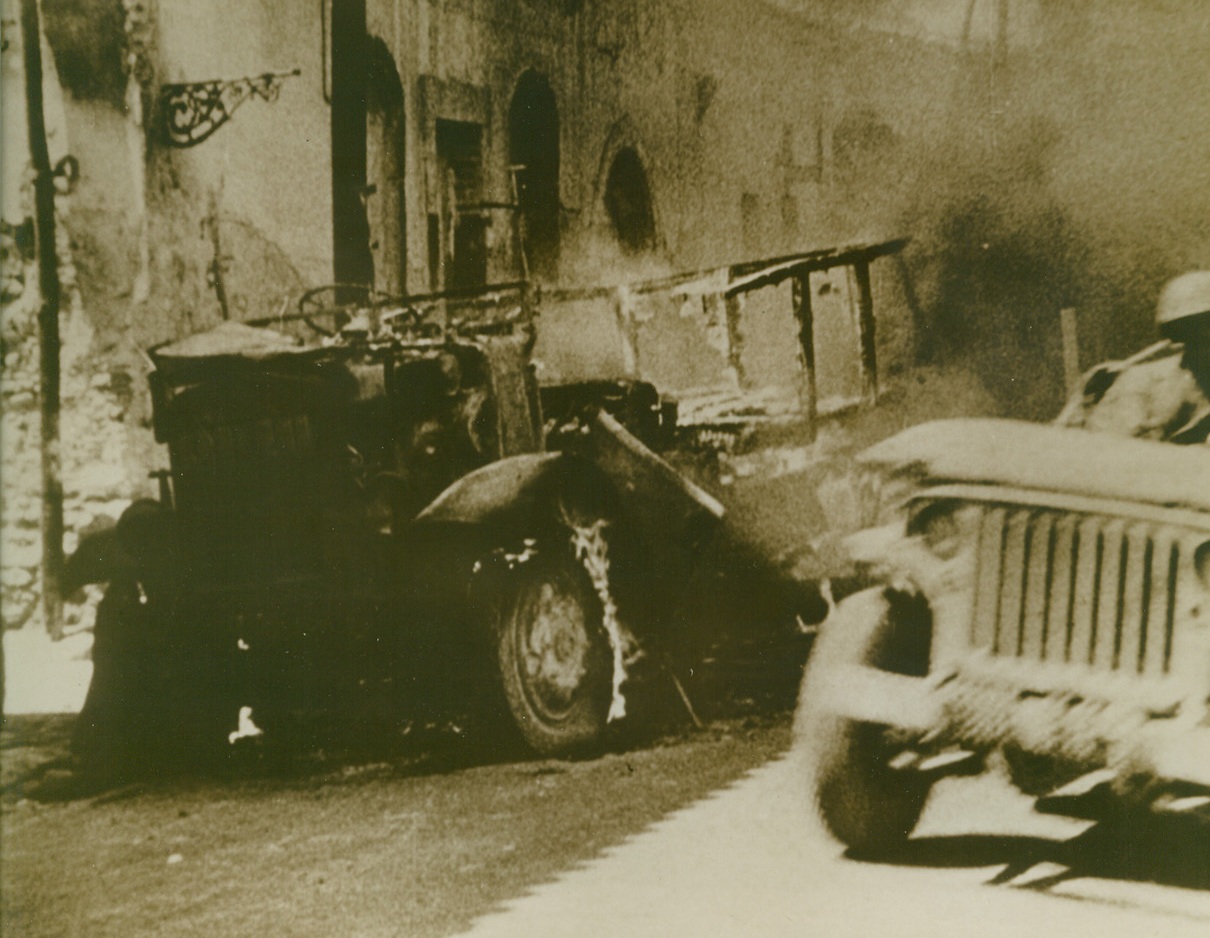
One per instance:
(613, 472)
(508, 488)
(659, 521)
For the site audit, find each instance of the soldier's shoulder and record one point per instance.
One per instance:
(1157, 362)
(1152, 378)
(1152, 363)
(1162, 351)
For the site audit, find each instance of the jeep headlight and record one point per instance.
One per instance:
(883, 492)
(945, 526)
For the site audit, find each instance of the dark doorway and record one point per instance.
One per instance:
(384, 194)
(533, 148)
(463, 223)
(628, 202)
(352, 261)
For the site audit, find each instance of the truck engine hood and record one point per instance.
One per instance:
(1054, 459)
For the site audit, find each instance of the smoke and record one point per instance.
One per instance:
(996, 257)
(1071, 174)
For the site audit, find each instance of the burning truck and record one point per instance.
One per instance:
(364, 514)
(373, 508)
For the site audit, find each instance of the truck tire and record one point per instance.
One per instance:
(864, 803)
(554, 661)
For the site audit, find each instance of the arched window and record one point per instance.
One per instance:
(628, 202)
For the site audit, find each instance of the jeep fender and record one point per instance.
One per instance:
(874, 640)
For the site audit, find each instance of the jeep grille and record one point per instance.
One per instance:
(1083, 588)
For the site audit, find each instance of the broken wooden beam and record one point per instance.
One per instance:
(805, 318)
(865, 330)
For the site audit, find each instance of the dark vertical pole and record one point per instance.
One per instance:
(48, 320)
(351, 259)
(865, 326)
(733, 308)
(1069, 329)
(520, 228)
(805, 316)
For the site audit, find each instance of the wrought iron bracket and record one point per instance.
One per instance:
(191, 111)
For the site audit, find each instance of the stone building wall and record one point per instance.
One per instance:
(1050, 158)
(104, 449)
(762, 128)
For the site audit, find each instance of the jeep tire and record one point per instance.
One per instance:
(862, 801)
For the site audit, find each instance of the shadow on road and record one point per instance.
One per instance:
(36, 764)
(1166, 851)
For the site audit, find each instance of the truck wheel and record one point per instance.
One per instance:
(554, 659)
(863, 803)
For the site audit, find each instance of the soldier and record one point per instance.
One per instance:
(123, 725)
(1163, 392)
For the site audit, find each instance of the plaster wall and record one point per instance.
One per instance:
(263, 178)
(1056, 163)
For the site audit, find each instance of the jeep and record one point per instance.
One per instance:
(1035, 592)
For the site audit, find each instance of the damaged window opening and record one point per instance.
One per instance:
(463, 249)
(352, 260)
(628, 202)
(533, 131)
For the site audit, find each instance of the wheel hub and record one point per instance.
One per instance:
(554, 649)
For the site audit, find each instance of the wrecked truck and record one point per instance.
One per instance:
(1036, 594)
(364, 519)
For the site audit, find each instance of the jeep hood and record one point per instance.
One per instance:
(1055, 459)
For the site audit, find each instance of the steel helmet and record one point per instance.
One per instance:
(1182, 299)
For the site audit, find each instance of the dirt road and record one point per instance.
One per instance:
(704, 834)
(414, 844)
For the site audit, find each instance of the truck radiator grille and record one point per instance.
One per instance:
(1086, 589)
